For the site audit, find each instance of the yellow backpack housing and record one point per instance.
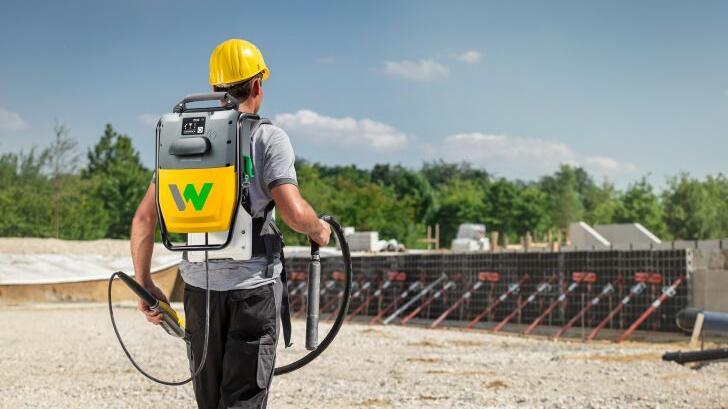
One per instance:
(203, 167)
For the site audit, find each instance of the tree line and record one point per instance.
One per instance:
(52, 192)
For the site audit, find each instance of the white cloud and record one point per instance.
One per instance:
(523, 157)
(348, 134)
(149, 119)
(11, 120)
(607, 164)
(469, 57)
(422, 70)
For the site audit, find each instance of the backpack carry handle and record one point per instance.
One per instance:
(230, 101)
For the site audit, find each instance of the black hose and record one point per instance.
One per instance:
(204, 348)
(341, 316)
(343, 308)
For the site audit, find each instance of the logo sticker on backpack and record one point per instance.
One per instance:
(190, 195)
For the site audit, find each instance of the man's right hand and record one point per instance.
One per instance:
(152, 316)
(323, 235)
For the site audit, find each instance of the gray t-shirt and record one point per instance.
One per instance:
(273, 161)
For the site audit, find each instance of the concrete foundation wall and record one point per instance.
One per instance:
(627, 233)
(710, 280)
(584, 237)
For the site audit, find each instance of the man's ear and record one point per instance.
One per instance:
(257, 87)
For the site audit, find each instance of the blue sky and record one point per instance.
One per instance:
(621, 88)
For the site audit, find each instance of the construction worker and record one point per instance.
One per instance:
(246, 295)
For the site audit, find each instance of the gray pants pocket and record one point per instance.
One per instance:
(266, 361)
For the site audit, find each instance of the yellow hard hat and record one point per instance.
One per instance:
(236, 60)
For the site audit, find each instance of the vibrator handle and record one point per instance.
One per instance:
(140, 291)
(171, 322)
(314, 288)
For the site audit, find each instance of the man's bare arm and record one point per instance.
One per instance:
(298, 214)
(142, 236)
(143, 226)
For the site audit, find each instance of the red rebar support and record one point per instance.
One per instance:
(356, 294)
(392, 276)
(608, 289)
(337, 276)
(667, 292)
(395, 302)
(513, 288)
(300, 277)
(329, 284)
(544, 286)
(576, 279)
(368, 300)
(427, 302)
(482, 277)
(635, 291)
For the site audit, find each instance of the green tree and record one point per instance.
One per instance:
(717, 187)
(63, 162)
(407, 185)
(440, 173)
(640, 204)
(602, 203)
(119, 179)
(500, 202)
(690, 211)
(459, 201)
(24, 192)
(85, 216)
(351, 172)
(565, 190)
(530, 213)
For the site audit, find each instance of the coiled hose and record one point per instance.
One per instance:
(304, 360)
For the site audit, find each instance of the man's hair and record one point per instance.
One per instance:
(241, 90)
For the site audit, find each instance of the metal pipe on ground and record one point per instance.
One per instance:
(712, 321)
(696, 356)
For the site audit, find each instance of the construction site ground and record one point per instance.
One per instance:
(65, 355)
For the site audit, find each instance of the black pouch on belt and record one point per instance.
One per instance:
(273, 243)
(271, 239)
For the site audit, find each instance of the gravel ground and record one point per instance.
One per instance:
(65, 356)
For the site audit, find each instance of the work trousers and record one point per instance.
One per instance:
(242, 345)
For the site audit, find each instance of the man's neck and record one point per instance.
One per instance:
(246, 108)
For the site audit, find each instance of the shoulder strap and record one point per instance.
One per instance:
(249, 124)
